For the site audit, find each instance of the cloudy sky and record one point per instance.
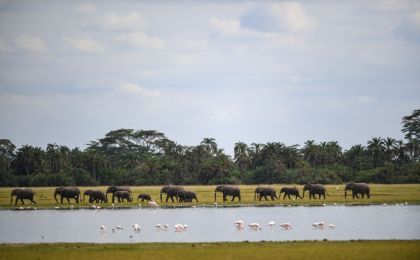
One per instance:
(70, 71)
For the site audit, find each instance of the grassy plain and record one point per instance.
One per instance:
(380, 193)
(336, 250)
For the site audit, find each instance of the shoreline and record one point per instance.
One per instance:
(107, 207)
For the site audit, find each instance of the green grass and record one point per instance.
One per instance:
(259, 250)
(390, 194)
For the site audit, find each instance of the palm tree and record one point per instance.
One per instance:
(210, 145)
(311, 152)
(376, 148)
(390, 145)
(242, 157)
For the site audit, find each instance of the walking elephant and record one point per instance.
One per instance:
(112, 189)
(314, 189)
(228, 190)
(68, 193)
(121, 195)
(290, 191)
(22, 194)
(96, 196)
(264, 192)
(171, 192)
(356, 189)
(187, 196)
(144, 197)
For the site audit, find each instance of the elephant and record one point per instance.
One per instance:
(112, 189)
(187, 196)
(121, 195)
(171, 192)
(264, 192)
(22, 194)
(290, 191)
(68, 193)
(228, 190)
(357, 188)
(95, 196)
(144, 197)
(314, 189)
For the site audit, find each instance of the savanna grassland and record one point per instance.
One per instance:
(380, 193)
(259, 250)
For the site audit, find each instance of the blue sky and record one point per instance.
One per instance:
(281, 71)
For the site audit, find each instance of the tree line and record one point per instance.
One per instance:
(148, 157)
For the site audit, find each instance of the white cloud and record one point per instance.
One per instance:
(85, 45)
(86, 8)
(140, 39)
(129, 21)
(136, 89)
(225, 26)
(31, 43)
(285, 17)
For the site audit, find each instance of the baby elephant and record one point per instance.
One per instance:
(144, 197)
(121, 195)
(96, 196)
(290, 191)
(187, 196)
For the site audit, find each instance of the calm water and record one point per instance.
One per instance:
(209, 224)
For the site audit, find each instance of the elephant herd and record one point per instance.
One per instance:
(180, 194)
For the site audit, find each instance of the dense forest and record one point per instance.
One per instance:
(147, 157)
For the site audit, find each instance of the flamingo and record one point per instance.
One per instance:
(153, 203)
(119, 227)
(180, 227)
(271, 224)
(318, 225)
(165, 227)
(136, 228)
(332, 226)
(286, 226)
(103, 229)
(254, 226)
(239, 224)
(159, 227)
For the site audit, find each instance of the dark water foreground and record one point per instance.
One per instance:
(210, 224)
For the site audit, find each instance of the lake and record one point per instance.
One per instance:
(210, 224)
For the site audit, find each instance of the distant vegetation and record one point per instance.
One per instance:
(147, 157)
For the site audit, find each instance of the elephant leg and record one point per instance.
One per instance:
(62, 199)
(368, 195)
(21, 200)
(363, 195)
(288, 195)
(68, 199)
(32, 200)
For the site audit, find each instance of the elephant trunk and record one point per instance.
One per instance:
(11, 199)
(214, 196)
(255, 196)
(160, 197)
(303, 195)
(345, 194)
